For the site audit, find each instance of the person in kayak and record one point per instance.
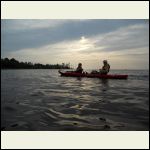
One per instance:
(79, 68)
(105, 69)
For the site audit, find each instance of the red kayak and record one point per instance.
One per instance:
(89, 75)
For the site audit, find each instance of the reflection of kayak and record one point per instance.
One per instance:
(89, 75)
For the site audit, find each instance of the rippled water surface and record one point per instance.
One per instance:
(41, 100)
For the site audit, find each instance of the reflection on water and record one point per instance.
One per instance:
(79, 78)
(42, 100)
(105, 82)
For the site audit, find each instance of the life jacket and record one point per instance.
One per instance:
(107, 67)
(79, 69)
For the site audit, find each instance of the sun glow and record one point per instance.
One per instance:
(83, 40)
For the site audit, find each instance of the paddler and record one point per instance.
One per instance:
(106, 67)
(79, 68)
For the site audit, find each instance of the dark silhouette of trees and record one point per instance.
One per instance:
(14, 64)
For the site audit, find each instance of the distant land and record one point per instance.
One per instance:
(15, 64)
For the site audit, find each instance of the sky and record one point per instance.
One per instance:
(124, 43)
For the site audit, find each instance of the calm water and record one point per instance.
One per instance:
(42, 100)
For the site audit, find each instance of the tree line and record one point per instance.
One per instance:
(15, 64)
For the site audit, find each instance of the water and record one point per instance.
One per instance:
(41, 100)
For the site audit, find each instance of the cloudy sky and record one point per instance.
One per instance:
(124, 43)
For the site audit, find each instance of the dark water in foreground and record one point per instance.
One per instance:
(42, 100)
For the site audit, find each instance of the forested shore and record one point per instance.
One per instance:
(15, 64)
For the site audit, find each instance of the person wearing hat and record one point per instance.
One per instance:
(79, 68)
(105, 69)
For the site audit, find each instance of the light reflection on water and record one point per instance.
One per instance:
(42, 100)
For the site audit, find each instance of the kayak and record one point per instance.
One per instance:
(90, 75)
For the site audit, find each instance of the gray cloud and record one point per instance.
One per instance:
(124, 38)
(132, 37)
(22, 34)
